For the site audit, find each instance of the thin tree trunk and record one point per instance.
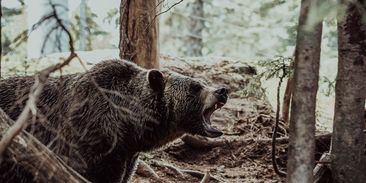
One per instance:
(195, 25)
(348, 139)
(302, 122)
(287, 99)
(82, 37)
(139, 32)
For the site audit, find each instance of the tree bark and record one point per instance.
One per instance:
(287, 99)
(139, 32)
(30, 159)
(1, 36)
(302, 121)
(348, 139)
(195, 26)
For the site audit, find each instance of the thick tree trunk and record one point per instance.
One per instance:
(302, 122)
(195, 25)
(27, 158)
(1, 35)
(139, 32)
(348, 139)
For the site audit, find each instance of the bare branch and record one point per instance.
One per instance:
(160, 13)
(36, 89)
(53, 169)
(206, 178)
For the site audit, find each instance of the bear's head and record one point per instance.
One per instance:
(192, 102)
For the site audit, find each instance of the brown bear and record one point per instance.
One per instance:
(99, 121)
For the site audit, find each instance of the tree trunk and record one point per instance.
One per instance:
(1, 35)
(196, 25)
(287, 99)
(48, 37)
(139, 32)
(27, 158)
(348, 140)
(302, 121)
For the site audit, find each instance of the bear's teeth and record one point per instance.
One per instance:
(215, 106)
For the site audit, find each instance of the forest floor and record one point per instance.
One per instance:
(243, 153)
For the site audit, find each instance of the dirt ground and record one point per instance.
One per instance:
(244, 151)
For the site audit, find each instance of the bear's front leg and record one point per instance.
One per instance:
(130, 168)
(110, 170)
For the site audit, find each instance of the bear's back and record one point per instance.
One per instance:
(14, 94)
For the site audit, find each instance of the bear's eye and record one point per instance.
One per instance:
(196, 87)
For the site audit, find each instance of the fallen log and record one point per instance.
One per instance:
(198, 142)
(202, 142)
(25, 156)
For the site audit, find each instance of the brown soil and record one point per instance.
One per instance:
(246, 121)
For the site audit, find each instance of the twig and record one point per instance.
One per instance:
(47, 37)
(160, 13)
(199, 174)
(53, 168)
(181, 172)
(30, 106)
(145, 170)
(206, 178)
(167, 165)
(36, 89)
(172, 6)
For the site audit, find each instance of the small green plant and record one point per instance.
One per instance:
(277, 67)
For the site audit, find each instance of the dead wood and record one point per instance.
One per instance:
(170, 166)
(145, 170)
(206, 178)
(193, 173)
(36, 89)
(205, 143)
(200, 175)
(202, 142)
(27, 152)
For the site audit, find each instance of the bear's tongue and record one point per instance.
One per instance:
(209, 130)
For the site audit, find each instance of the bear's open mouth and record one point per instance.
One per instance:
(209, 130)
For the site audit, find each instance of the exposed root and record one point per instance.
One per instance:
(144, 170)
(206, 178)
(170, 166)
(202, 142)
(180, 172)
(200, 175)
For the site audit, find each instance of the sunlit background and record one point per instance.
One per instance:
(250, 31)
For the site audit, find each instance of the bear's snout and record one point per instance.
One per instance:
(221, 94)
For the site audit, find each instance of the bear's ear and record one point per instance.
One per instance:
(156, 80)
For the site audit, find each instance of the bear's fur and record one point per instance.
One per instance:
(100, 120)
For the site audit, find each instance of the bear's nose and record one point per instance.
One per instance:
(222, 91)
